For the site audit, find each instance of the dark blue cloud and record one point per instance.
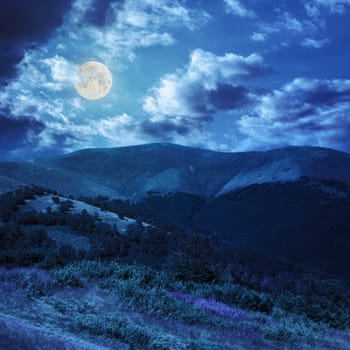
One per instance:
(17, 133)
(99, 14)
(165, 129)
(9, 56)
(205, 104)
(30, 20)
(228, 97)
(325, 94)
(21, 138)
(23, 23)
(304, 112)
(188, 99)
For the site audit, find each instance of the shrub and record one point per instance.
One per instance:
(66, 277)
(291, 329)
(56, 199)
(115, 327)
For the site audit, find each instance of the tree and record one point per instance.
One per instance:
(192, 259)
(66, 206)
(56, 199)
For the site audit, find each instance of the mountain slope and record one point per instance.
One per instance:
(62, 180)
(305, 221)
(300, 221)
(131, 172)
(7, 184)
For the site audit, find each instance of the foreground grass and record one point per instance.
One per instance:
(135, 307)
(22, 335)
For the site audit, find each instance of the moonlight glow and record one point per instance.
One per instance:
(94, 80)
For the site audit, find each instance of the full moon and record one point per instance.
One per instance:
(94, 80)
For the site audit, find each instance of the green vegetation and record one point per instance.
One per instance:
(165, 273)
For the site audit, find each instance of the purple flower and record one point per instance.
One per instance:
(210, 305)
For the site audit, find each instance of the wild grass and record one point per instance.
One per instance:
(136, 307)
(208, 305)
(22, 335)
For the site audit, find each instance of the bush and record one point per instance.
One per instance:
(190, 261)
(290, 330)
(115, 327)
(236, 295)
(56, 199)
(66, 206)
(66, 277)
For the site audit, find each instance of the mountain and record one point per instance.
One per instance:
(16, 174)
(305, 221)
(133, 172)
(7, 184)
(261, 202)
(291, 203)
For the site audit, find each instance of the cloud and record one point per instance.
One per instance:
(125, 26)
(100, 12)
(207, 83)
(258, 36)
(124, 129)
(303, 112)
(290, 27)
(23, 23)
(62, 72)
(108, 31)
(312, 10)
(142, 24)
(314, 44)
(237, 8)
(334, 6)
(18, 135)
(291, 23)
(34, 20)
(10, 54)
(189, 98)
(287, 22)
(120, 129)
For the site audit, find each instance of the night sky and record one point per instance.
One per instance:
(229, 75)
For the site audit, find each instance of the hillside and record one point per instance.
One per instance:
(252, 247)
(41, 203)
(69, 269)
(132, 172)
(305, 221)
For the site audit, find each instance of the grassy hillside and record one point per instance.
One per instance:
(121, 306)
(155, 286)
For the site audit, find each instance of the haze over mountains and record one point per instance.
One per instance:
(132, 172)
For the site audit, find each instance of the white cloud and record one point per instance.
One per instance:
(312, 10)
(186, 93)
(291, 23)
(237, 8)
(62, 72)
(43, 87)
(284, 23)
(139, 23)
(303, 112)
(114, 128)
(315, 44)
(183, 103)
(334, 6)
(258, 36)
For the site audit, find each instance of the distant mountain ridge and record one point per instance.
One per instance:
(291, 203)
(132, 172)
